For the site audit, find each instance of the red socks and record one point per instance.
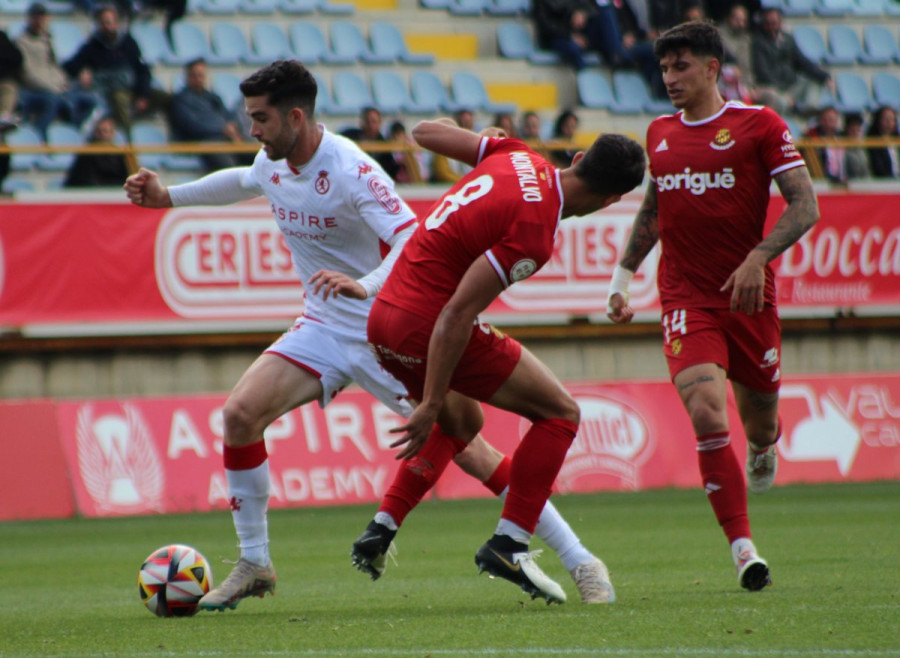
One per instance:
(417, 475)
(499, 479)
(244, 458)
(723, 480)
(534, 468)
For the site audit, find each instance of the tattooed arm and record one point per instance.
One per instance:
(802, 212)
(644, 234)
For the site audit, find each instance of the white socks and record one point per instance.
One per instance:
(249, 491)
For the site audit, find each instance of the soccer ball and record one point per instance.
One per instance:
(173, 579)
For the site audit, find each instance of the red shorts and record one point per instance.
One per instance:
(748, 347)
(400, 340)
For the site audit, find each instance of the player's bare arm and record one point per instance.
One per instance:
(446, 138)
(478, 288)
(644, 236)
(747, 282)
(146, 190)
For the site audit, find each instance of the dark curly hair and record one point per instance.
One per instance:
(285, 84)
(614, 164)
(699, 37)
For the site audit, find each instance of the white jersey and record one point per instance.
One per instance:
(336, 213)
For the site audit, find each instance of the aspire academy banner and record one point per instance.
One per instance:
(68, 268)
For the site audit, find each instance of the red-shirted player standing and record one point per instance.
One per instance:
(711, 166)
(494, 227)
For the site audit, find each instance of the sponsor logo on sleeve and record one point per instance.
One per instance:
(384, 195)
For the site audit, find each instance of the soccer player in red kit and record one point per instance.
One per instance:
(494, 227)
(711, 165)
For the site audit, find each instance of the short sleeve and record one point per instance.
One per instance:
(777, 144)
(373, 194)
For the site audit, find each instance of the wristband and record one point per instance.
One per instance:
(619, 283)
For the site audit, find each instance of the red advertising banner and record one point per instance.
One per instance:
(163, 455)
(106, 269)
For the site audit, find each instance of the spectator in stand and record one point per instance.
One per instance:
(780, 68)
(119, 71)
(694, 11)
(101, 169)
(564, 131)
(718, 10)
(506, 122)
(369, 130)
(883, 160)
(199, 115)
(449, 170)
(407, 160)
(856, 160)
(531, 126)
(45, 92)
(828, 127)
(10, 66)
(737, 82)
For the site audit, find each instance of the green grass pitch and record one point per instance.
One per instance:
(68, 588)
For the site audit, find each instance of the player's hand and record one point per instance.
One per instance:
(748, 284)
(416, 431)
(493, 131)
(145, 189)
(336, 283)
(618, 309)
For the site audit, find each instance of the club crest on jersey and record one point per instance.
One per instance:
(275, 179)
(723, 140)
(322, 183)
(384, 196)
(522, 270)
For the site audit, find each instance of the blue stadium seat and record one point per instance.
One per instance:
(466, 7)
(594, 90)
(67, 38)
(469, 92)
(434, 4)
(506, 7)
(60, 134)
(868, 8)
(810, 42)
(891, 8)
(16, 185)
(799, 8)
(309, 45)
(834, 8)
(426, 87)
(351, 93)
(258, 7)
(298, 7)
(886, 90)
(152, 41)
(391, 95)
(220, 7)
(227, 86)
(386, 40)
(228, 44)
(324, 102)
(632, 94)
(514, 41)
(336, 8)
(844, 47)
(146, 134)
(269, 43)
(25, 135)
(853, 93)
(880, 46)
(347, 41)
(188, 43)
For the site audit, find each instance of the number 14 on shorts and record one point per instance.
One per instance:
(674, 323)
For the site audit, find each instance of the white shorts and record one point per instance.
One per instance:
(338, 359)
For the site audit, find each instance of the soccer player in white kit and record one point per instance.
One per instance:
(336, 209)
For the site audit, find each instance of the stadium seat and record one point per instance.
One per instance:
(632, 94)
(351, 93)
(67, 38)
(514, 41)
(880, 46)
(798, 8)
(844, 47)
(60, 134)
(466, 7)
(16, 185)
(226, 86)
(324, 103)
(892, 8)
(228, 45)
(309, 45)
(834, 8)
(434, 4)
(426, 87)
(220, 7)
(469, 92)
(152, 41)
(298, 7)
(348, 41)
(391, 95)
(385, 40)
(258, 7)
(594, 90)
(269, 43)
(336, 8)
(146, 134)
(24, 135)
(506, 7)
(886, 89)
(868, 8)
(853, 93)
(188, 43)
(810, 42)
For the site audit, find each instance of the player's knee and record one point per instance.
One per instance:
(568, 409)
(707, 419)
(762, 432)
(240, 423)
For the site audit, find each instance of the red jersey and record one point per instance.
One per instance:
(507, 208)
(712, 182)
